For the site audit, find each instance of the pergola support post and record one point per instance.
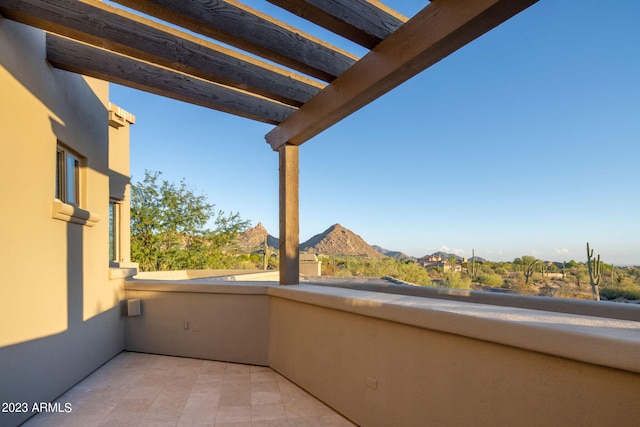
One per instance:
(289, 216)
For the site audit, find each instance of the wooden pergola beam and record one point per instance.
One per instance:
(94, 22)
(289, 216)
(366, 22)
(440, 29)
(91, 61)
(245, 28)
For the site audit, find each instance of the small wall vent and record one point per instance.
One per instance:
(133, 307)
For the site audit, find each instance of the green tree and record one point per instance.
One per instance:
(168, 227)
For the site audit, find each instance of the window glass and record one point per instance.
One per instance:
(59, 172)
(72, 180)
(113, 235)
(67, 177)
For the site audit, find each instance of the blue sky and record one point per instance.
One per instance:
(524, 142)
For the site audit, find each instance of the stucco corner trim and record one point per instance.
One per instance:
(73, 214)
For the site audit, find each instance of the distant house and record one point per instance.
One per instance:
(309, 264)
(436, 260)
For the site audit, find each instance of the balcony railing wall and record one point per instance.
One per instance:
(383, 359)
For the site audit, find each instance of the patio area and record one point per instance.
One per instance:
(137, 389)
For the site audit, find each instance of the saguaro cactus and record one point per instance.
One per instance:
(473, 268)
(265, 258)
(594, 272)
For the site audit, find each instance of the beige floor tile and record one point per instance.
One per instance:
(235, 394)
(214, 390)
(133, 406)
(266, 386)
(168, 401)
(235, 368)
(230, 377)
(150, 390)
(143, 391)
(233, 414)
(167, 362)
(209, 377)
(265, 398)
(201, 403)
(306, 422)
(64, 420)
(161, 418)
(270, 423)
(92, 408)
(242, 424)
(295, 396)
(198, 418)
(265, 393)
(263, 376)
(307, 407)
(268, 412)
(122, 419)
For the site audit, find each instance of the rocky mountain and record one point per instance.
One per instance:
(392, 254)
(337, 240)
(253, 239)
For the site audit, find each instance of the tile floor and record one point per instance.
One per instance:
(135, 389)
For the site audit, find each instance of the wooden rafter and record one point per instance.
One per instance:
(366, 22)
(438, 30)
(238, 25)
(91, 61)
(94, 22)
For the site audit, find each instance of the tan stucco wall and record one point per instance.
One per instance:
(59, 311)
(384, 373)
(387, 360)
(230, 325)
(40, 107)
(120, 122)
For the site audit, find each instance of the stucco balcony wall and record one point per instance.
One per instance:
(382, 359)
(202, 320)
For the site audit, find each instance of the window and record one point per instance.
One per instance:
(67, 203)
(67, 176)
(114, 220)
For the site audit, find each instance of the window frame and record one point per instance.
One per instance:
(69, 207)
(114, 230)
(67, 190)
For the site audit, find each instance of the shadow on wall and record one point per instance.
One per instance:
(50, 341)
(44, 87)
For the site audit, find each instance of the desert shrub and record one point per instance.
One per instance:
(626, 289)
(412, 273)
(566, 292)
(516, 283)
(454, 280)
(493, 280)
(247, 265)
